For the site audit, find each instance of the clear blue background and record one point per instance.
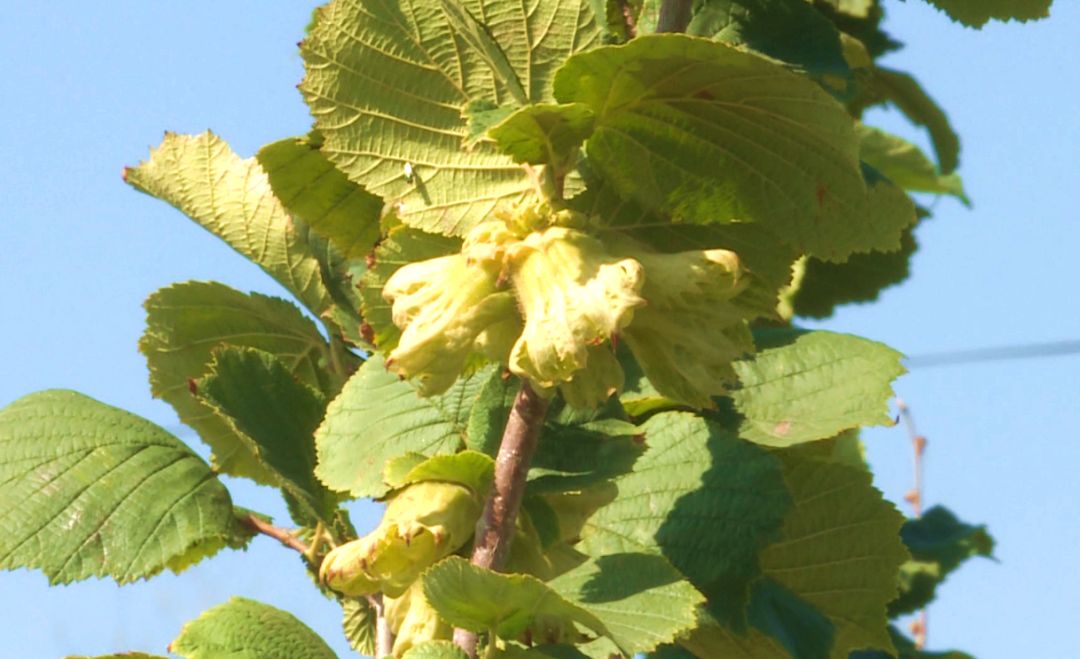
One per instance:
(87, 88)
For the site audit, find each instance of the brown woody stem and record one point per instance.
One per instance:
(495, 529)
(674, 15)
(284, 536)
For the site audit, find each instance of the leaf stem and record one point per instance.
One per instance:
(284, 536)
(495, 529)
(674, 15)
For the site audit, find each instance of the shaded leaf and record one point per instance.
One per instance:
(939, 543)
(311, 188)
(637, 600)
(641, 599)
(709, 133)
(823, 286)
(479, 600)
(905, 92)
(378, 417)
(186, 322)
(544, 134)
(712, 639)
(232, 198)
(358, 624)
(788, 30)
(704, 499)
(804, 386)
(905, 165)
(388, 81)
(839, 550)
(89, 490)
(246, 629)
(976, 13)
(275, 415)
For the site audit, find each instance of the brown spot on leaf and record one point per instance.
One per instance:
(782, 428)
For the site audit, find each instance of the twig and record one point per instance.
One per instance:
(674, 15)
(914, 497)
(495, 529)
(629, 24)
(384, 638)
(284, 536)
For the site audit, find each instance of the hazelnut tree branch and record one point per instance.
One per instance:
(284, 536)
(495, 529)
(674, 15)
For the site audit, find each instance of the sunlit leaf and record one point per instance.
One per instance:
(709, 133)
(187, 322)
(803, 386)
(245, 629)
(89, 490)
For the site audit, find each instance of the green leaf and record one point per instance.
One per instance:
(545, 134)
(232, 198)
(475, 34)
(401, 247)
(382, 107)
(709, 133)
(636, 600)
(765, 257)
(89, 490)
(378, 417)
(939, 543)
(122, 655)
(803, 630)
(700, 496)
(469, 468)
(839, 550)
(359, 625)
(487, 419)
(712, 639)
(311, 188)
(187, 322)
(641, 599)
(823, 286)
(435, 650)
(788, 30)
(275, 415)
(976, 13)
(910, 98)
(246, 629)
(577, 453)
(480, 600)
(905, 165)
(542, 652)
(804, 386)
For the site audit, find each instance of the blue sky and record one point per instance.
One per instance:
(88, 88)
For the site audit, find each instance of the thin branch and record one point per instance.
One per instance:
(629, 24)
(284, 536)
(384, 638)
(495, 529)
(674, 15)
(914, 497)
